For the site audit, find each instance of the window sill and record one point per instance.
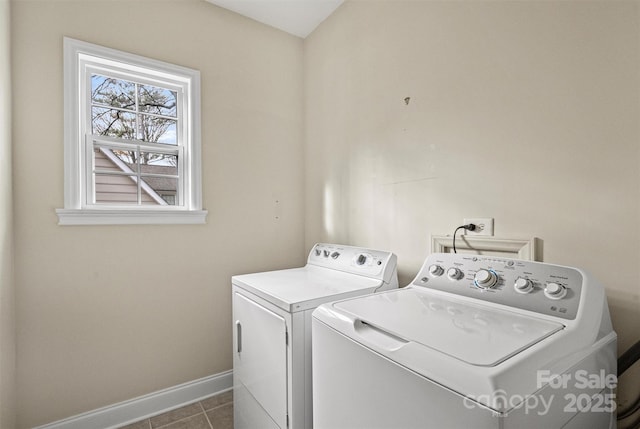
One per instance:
(130, 217)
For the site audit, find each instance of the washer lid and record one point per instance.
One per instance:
(473, 333)
(304, 288)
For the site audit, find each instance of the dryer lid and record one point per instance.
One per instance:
(473, 333)
(298, 289)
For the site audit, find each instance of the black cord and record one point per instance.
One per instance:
(628, 358)
(625, 361)
(468, 227)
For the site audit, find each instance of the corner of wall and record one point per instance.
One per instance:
(7, 286)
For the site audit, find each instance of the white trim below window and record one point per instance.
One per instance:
(129, 217)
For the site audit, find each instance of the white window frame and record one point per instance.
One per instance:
(80, 60)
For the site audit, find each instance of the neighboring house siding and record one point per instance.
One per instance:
(114, 189)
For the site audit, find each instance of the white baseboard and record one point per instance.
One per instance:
(126, 412)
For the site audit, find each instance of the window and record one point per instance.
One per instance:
(132, 139)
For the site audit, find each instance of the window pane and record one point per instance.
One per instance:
(158, 163)
(113, 123)
(129, 157)
(113, 92)
(157, 100)
(115, 189)
(103, 160)
(108, 159)
(158, 130)
(165, 188)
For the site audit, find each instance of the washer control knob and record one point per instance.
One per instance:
(454, 274)
(555, 291)
(361, 259)
(523, 285)
(326, 253)
(485, 279)
(335, 255)
(436, 270)
(318, 251)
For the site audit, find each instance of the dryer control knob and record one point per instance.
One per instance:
(454, 274)
(436, 270)
(485, 279)
(555, 291)
(523, 285)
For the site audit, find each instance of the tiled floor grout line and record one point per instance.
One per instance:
(215, 408)
(176, 421)
(205, 414)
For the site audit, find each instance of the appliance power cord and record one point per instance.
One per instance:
(625, 361)
(468, 227)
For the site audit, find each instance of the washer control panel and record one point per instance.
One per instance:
(367, 262)
(548, 289)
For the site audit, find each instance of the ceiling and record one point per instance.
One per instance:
(297, 17)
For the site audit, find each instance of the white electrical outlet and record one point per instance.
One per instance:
(484, 225)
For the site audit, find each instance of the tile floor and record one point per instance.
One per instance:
(215, 412)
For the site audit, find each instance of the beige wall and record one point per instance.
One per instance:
(526, 112)
(108, 313)
(7, 290)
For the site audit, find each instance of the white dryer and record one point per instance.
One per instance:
(272, 329)
(473, 342)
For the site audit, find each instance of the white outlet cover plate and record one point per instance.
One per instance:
(485, 225)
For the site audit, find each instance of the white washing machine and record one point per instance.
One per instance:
(272, 329)
(473, 342)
